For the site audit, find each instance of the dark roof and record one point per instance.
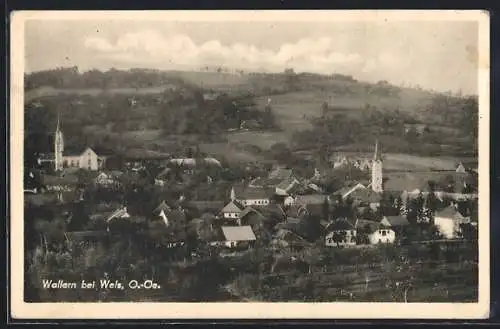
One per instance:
(162, 206)
(272, 209)
(175, 215)
(366, 195)
(233, 206)
(74, 150)
(372, 226)
(394, 221)
(249, 193)
(311, 199)
(341, 224)
(288, 183)
(249, 210)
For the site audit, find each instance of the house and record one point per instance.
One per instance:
(118, 213)
(272, 211)
(109, 179)
(161, 211)
(311, 199)
(448, 221)
(340, 161)
(460, 168)
(163, 176)
(382, 235)
(236, 236)
(372, 232)
(396, 223)
(284, 238)
(366, 197)
(232, 210)
(251, 196)
(288, 186)
(345, 191)
(174, 219)
(341, 232)
(192, 162)
(251, 216)
(85, 158)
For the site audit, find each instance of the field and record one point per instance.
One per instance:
(371, 275)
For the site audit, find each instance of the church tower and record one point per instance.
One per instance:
(58, 147)
(377, 171)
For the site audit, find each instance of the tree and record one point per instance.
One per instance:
(324, 108)
(268, 119)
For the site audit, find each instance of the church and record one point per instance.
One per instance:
(85, 158)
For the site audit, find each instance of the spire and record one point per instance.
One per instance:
(376, 155)
(57, 127)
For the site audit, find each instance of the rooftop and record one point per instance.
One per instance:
(311, 199)
(394, 221)
(238, 233)
(233, 207)
(449, 212)
(253, 193)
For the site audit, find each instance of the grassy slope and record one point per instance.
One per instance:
(291, 109)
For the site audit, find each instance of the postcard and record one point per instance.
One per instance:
(249, 164)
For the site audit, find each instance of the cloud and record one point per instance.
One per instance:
(146, 47)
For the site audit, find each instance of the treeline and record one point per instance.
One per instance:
(72, 78)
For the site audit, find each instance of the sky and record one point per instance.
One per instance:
(432, 54)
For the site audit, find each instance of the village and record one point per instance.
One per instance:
(278, 209)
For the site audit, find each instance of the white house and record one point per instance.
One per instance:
(236, 235)
(251, 196)
(86, 159)
(232, 210)
(448, 221)
(382, 235)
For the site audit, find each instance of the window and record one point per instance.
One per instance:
(384, 232)
(90, 163)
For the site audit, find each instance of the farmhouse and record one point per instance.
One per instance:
(448, 221)
(395, 223)
(288, 186)
(232, 210)
(374, 232)
(341, 232)
(238, 236)
(366, 197)
(346, 191)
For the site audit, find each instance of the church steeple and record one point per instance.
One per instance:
(377, 177)
(376, 155)
(58, 146)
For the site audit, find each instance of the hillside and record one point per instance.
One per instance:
(167, 110)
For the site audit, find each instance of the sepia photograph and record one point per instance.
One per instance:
(254, 164)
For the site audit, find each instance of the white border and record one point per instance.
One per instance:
(21, 310)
